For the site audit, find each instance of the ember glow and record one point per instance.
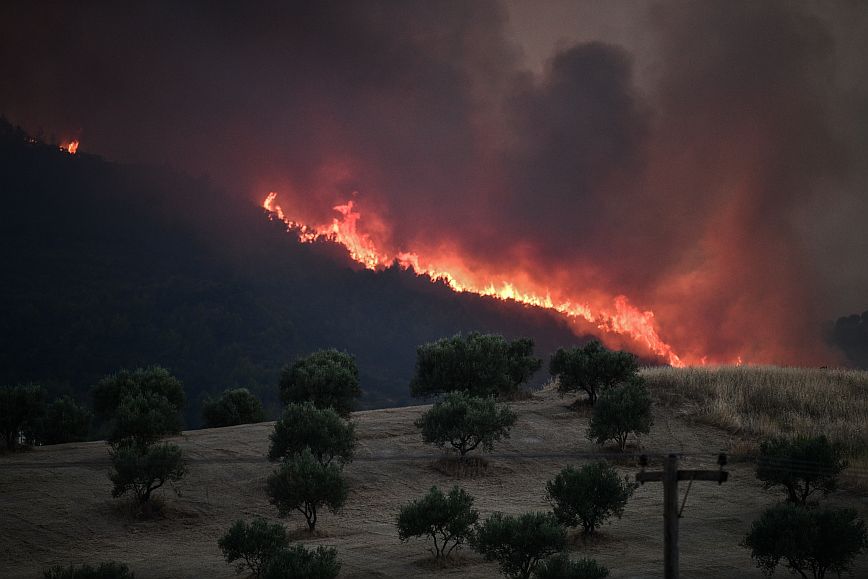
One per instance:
(70, 147)
(618, 317)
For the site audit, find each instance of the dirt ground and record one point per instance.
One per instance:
(56, 505)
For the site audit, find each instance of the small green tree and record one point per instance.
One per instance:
(620, 412)
(252, 546)
(108, 570)
(562, 567)
(143, 419)
(113, 389)
(591, 368)
(810, 542)
(519, 543)
(142, 470)
(238, 406)
(482, 364)
(328, 378)
(321, 430)
(802, 465)
(588, 496)
(64, 421)
(447, 520)
(303, 484)
(298, 562)
(20, 409)
(466, 422)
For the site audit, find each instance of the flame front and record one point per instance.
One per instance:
(620, 318)
(70, 147)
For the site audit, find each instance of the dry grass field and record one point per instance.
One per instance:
(56, 506)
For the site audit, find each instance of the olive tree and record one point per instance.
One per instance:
(64, 420)
(809, 542)
(591, 368)
(111, 391)
(562, 567)
(482, 364)
(238, 406)
(142, 470)
(321, 430)
(447, 520)
(802, 465)
(298, 562)
(520, 543)
(303, 484)
(465, 422)
(620, 412)
(327, 378)
(588, 496)
(107, 570)
(20, 409)
(252, 546)
(143, 419)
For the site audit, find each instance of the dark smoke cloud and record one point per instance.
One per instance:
(717, 192)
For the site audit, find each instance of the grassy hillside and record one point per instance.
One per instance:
(752, 402)
(57, 508)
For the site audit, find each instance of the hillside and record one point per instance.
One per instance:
(57, 507)
(109, 266)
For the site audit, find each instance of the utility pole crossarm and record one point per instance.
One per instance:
(718, 476)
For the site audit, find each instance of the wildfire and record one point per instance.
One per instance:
(70, 147)
(620, 318)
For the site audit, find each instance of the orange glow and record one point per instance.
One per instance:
(620, 317)
(70, 147)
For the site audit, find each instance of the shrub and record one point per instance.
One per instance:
(64, 421)
(591, 368)
(588, 496)
(142, 470)
(620, 412)
(328, 378)
(811, 542)
(322, 430)
(562, 567)
(143, 419)
(482, 364)
(253, 545)
(112, 390)
(447, 520)
(519, 543)
(803, 466)
(233, 407)
(298, 562)
(303, 484)
(20, 409)
(108, 570)
(465, 422)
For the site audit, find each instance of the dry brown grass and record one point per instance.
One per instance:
(754, 402)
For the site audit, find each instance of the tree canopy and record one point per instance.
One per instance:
(591, 368)
(620, 411)
(20, 408)
(237, 406)
(519, 543)
(482, 364)
(320, 430)
(110, 392)
(446, 519)
(302, 484)
(465, 422)
(327, 378)
(803, 466)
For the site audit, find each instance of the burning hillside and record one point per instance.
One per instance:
(618, 316)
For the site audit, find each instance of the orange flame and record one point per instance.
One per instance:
(621, 318)
(70, 147)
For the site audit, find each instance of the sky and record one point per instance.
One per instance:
(705, 160)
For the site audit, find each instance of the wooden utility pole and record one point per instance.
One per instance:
(670, 477)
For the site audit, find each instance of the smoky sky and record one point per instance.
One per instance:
(705, 159)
